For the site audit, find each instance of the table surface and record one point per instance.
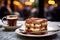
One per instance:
(11, 35)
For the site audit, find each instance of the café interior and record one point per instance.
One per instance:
(48, 9)
(29, 18)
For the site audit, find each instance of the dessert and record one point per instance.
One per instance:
(36, 25)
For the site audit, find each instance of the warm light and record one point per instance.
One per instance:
(28, 3)
(51, 2)
(55, 5)
(18, 4)
(32, 0)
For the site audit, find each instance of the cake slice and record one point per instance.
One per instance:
(36, 25)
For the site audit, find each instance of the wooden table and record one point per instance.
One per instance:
(11, 35)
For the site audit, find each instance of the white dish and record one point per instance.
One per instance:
(12, 27)
(19, 24)
(29, 35)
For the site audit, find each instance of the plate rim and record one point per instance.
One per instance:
(27, 35)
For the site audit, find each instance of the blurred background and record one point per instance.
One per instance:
(52, 10)
(23, 8)
(49, 9)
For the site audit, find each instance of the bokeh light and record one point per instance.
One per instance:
(51, 2)
(32, 0)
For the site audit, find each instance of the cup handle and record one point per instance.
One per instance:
(2, 20)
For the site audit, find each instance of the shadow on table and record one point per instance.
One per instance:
(53, 37)
(9, 30)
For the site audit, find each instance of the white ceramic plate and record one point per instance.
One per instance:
(12, 27)
(30, 35)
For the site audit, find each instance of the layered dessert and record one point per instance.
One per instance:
(36, 25)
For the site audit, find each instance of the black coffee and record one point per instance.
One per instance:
(12, 20)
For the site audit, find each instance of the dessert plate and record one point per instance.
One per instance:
(50, 32)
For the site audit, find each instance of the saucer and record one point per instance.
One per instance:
(18, 31)
(12, 27)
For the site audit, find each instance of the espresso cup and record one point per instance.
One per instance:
(11, 20)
